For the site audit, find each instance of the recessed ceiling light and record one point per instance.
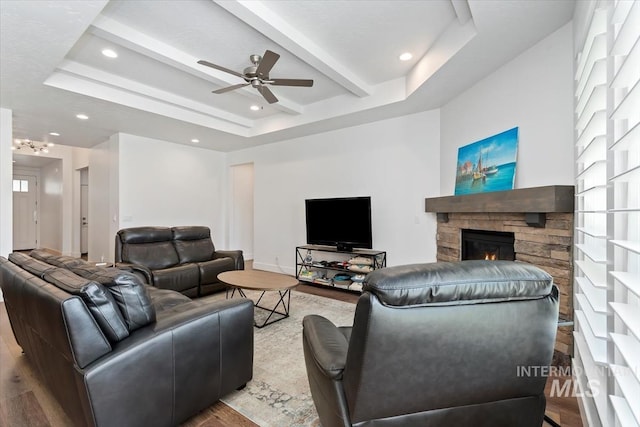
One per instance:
(405, 56)
(54, 134)
(82, 116)
(109, 53)
(195, 141)
(255, 108)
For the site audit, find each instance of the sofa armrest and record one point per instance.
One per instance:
(327, 345)
(236, 255)
(192, 355)
(139, 270)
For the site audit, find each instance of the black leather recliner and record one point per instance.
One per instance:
(182, 259)
(442, 344)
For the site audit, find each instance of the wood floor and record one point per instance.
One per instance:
(25, 402)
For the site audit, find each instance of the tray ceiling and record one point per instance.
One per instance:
(52, 67)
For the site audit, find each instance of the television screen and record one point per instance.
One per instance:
(342, 222)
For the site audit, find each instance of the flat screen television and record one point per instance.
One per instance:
(343, 222)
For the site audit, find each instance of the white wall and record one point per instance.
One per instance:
(395, 161)
(51, 202)
(103, 202)
(167, 184)
(6, 179)
(533, 92)
(136, 181)
(80, 159)
(241, 179)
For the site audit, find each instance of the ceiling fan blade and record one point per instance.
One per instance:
(267, 62)
(267, 94)
(229, 88)
(218, 67)
(291, 82)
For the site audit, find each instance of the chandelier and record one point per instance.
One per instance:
(37, 147)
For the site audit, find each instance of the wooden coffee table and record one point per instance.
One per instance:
(264, 281)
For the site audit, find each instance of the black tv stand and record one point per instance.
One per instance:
(319, 265)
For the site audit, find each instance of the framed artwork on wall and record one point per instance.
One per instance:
(487, 165)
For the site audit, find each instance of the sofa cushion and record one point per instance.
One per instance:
(137, 235)
(193, 243)
(129, 293)
(165, 299)
(19, 258)
(97, 298)
(454, 283)
(154, 256)
(194, 250)
(41, 254)
(61, 261)
(180, 278)
(209, 270)
(190, 232)
(37, 267)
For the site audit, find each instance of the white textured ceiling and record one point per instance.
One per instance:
(51, 67)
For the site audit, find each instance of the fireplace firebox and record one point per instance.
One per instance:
(487, 245)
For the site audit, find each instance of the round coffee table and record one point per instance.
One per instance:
(257, 280)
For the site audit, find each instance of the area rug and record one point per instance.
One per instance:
(278, 395)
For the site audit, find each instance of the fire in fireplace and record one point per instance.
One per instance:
(487, 245)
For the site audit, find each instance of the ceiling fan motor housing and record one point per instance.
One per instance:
(251, 71)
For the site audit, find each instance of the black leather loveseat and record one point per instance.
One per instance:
(183, 259)
(116, 352)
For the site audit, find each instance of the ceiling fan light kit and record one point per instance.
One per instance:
(257, 75)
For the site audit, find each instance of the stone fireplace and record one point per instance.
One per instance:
(539, 223)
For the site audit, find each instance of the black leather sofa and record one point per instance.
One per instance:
(116, 352)
(183, 259)
(437, 345)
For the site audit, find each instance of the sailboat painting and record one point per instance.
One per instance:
(488, 165)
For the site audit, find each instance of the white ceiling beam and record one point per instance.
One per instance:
(462, 10)
(96, 89)
(156, 94)
(257, 15)
(455, 37)
(130, 38)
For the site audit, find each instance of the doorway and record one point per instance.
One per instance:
(84, 212)
(25, 212)
(241, 209)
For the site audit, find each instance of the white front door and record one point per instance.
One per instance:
(25, 212)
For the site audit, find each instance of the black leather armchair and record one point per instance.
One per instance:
(439, 344)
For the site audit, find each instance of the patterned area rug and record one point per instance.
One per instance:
(278, 395)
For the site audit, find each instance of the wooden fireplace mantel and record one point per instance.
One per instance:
(534, 201)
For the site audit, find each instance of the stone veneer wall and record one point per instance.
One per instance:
(549, 248)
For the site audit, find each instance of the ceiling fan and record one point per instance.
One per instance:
(257, 75)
